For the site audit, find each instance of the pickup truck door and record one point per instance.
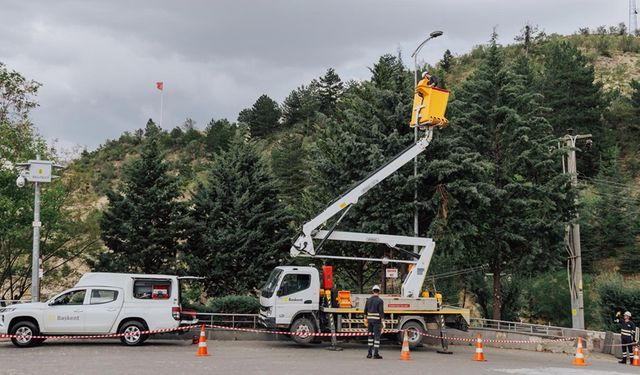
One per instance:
(102, 309)
(65, 313)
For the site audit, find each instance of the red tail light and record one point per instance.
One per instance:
(175, 311)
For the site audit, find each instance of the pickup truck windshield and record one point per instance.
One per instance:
(270, 286)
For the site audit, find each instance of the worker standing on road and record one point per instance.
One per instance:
(627, 333)
(374, 318)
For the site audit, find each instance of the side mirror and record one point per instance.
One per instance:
(279, 292)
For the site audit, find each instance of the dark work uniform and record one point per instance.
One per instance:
(374, 313)
(627, 333)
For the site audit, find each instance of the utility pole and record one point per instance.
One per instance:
(572, 236)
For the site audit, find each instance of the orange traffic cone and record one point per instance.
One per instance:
(202, 345)
(479, 356)
(405, 354)
(579, 359)
(636, 357)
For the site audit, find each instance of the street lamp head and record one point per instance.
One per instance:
(436, 34)
(20, 181)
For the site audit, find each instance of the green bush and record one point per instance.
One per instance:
(229, 305)
(616, 294)
(236, 305)
(548, 300)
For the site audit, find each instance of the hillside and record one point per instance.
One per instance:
(291, 145)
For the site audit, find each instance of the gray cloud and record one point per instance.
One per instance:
(99, 60)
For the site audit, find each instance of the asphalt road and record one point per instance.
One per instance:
(159, 357)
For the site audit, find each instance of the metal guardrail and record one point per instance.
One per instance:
(517, 327)
(230, 320)
(527, 328)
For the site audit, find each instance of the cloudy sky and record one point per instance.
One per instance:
(98, 61)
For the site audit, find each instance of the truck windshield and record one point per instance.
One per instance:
(270, 286)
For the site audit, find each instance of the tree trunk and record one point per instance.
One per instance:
(497, 294)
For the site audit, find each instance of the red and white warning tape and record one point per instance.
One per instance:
(301, 334)
(185, 328)
(472, 340)
(104, 336)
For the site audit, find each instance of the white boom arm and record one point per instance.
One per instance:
(412, 285)
(304, 243)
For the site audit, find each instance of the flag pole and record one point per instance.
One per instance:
(161, 104)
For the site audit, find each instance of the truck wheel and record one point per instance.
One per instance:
(414, 331)
(303, 329)
(25, 332)
(132, 330)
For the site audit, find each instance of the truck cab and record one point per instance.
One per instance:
(290, 293)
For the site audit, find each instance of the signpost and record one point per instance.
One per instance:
(392, 273)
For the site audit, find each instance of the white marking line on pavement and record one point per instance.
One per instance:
(556, 371)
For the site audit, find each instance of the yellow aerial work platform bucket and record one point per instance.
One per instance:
(429, 106)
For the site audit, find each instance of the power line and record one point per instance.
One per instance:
(620, 197)
(445, 275)
(603, 180)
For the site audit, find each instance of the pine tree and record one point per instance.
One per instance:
(218, 135)
(389, 74)
(330, 88)
(289, 163)
(370, 127)
(142, 225)
(520, 199)
(263, 118)
(239, 230)
(609, 217)
(575, 100)
(447, 60)
(301, 106)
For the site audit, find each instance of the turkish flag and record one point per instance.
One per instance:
(160, 85)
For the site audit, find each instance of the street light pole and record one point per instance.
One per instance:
(434, 34)
(35, 261)
(36, 171)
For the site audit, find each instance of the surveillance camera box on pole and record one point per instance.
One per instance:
(39, 171)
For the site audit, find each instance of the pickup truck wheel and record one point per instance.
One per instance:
(132, 335)
(25, 332)
(303, 330)
(415, 331)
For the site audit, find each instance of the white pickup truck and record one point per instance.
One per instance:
(100, 303)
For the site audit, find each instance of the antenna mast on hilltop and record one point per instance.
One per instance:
(633, 17)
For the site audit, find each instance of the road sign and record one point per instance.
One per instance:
(39, 171)
(392, 273)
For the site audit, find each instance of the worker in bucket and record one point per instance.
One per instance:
(374, 320)
(430, 80)
(627, 333)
